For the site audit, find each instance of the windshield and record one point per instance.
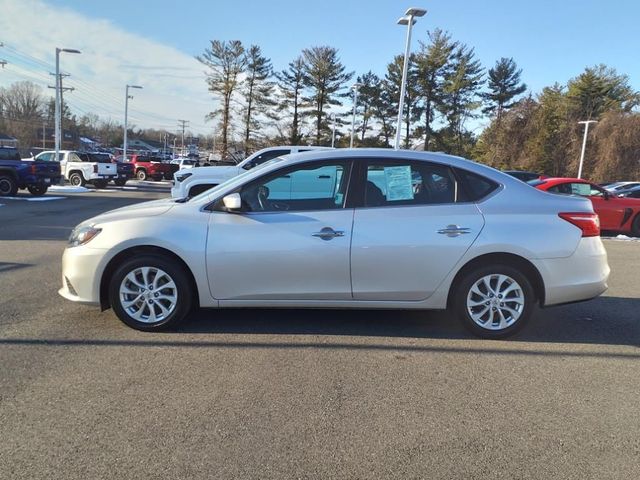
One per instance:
(233, 180)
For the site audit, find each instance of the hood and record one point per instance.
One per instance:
(139, 210)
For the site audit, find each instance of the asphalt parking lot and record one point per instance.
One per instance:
(303, 394)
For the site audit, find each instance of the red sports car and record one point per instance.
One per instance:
(617, 214)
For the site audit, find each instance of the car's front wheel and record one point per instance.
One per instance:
(635, 226)
(141, 174)
(150, 292)
(494, 301)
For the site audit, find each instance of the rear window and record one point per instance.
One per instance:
(9, 154)
(476, 186)
(99, 157)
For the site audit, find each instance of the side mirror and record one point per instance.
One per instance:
(232, 202)
(606, 195)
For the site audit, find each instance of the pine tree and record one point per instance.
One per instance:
(290, 83)
(257, 91)
(432, 61)
(324, 76)
(460, 97)
(367, 93)
(225, 61)
(394, 82)
(504, 85)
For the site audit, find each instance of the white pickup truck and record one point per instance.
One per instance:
(80, 168)
(193, 181)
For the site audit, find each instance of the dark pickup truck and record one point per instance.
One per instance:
(34, 175)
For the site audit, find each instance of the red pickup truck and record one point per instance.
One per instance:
(148, 167)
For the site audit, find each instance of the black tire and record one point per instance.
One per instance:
(141, 174)
(77, 179)
(100, 184)
(168, 176)
(8, 186)
(37, 190)
(635, 226)
(176, 273)
(463, 290)
(120, 182)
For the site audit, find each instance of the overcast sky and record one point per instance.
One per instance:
(153, 43)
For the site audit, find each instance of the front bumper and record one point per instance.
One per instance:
(81, 273)
(581, 276)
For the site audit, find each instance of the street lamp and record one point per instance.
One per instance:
(355, 87)
(409, 20)
(58, 107)
(126, 114)
(584, 143)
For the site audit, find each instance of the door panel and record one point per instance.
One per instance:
(275, 256)
(398, 254)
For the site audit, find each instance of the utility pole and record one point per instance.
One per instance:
(183, 125)
(584, 143)
(44, 126)
(126, 116)
(58, 96)
(59, 99)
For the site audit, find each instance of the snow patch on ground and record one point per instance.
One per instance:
(67, 189)
(623, 238)
(34, 199)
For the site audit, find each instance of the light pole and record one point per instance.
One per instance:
(333, 133)
(355, 87)
(126, 114)
(584, 143)
(58, 107)
(409, 20)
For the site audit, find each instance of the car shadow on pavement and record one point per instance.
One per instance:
(9, 266)
(606, 320)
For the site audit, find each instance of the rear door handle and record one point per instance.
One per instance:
(324, 176)
(454, 231)
(328, 233)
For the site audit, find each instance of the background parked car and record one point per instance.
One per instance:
(81, 168)
(147, 167)
(192, 182)
(617, 214)
(524, 176)
(619, 186)
(34, 175)
(629, 193)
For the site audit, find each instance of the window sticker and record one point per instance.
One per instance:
(399, 183)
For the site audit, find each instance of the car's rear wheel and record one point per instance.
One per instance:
(635, 226)
(494, 301)
(37, 190)
(8, 186)
(141, 174)
(100, 184)
(76, 179)
(150, 292)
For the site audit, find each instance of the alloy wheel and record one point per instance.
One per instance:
(495, 302)
(148, 294)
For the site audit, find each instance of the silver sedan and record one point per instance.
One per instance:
(345, 229)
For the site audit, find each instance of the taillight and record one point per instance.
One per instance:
(589, 223)
(95, 168)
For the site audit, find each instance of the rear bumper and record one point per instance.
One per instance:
(581, 276)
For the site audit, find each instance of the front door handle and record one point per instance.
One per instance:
(328, 233)
(454, 231)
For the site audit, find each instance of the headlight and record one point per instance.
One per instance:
(183, 176)
(83, 235)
